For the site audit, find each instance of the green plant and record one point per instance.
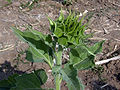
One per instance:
(29, 81)
(66, 33)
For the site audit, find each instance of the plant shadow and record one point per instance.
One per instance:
(6, 69)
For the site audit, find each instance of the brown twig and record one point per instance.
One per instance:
(107, 60)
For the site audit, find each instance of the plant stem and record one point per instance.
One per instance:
(58, 81)
(58, 59)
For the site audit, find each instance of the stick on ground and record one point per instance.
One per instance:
(107, 60)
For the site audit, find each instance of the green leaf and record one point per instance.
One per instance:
(71, 19)
(97, 48)
(78, 54)
(75, 24)
(41, 35)
(41, 74)
(37, 44)
(82, 30)
(69, 74)
(68, 29)
(61, 17)
(88, 50)
(58, 32)
(45, 56)
(68, 17)
(8, 83)
(32, 38)
(48, 38)
(62, 40)
(81, 58)
(52, 25)
(56, 69)
(26, 35)
(18, 33)
(86, 63)
(31, 81)
(33, 56)
(51, 21)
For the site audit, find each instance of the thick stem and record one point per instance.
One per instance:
(58, 81)
(58, 59)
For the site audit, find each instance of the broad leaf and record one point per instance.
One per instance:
(82, 57)
(46, 56)
(46, 38)
(86, 63)
(31, 81)
(38, 45)
(41, 35)
(78, 54)
(32, 38)
(97, 48)
(33, 56)
(41, 74)
(58, 32)
(62, 41)
(69, 74)
(8, 83)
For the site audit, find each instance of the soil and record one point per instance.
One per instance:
(105, 23)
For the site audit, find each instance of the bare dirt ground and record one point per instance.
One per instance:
(105, 23)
